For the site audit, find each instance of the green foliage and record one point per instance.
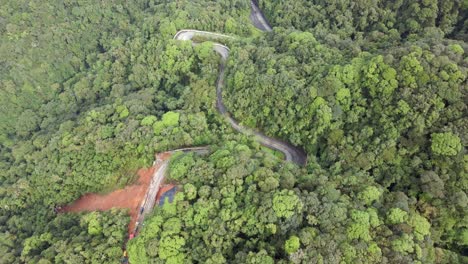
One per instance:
(292, 244)
(463, 237)
(307, 235)
(397, 216)
(367, 118)
(323, 114)
(89, 91)
(213, 212)
(446, 144)
(271, 228)
(190, 191)
(82, 84)
(35, 244)
(170, 248)
(374, 219)
(261, 257)
(421, 226)
(457, 49)
(27, 122)
(172, 226)
(169, 119)
(148, 120)
(374, 249)
(180, 166)
(122, 111)
(54, 244)
(286, 203)
(343, 96)
(136, 251)
(379, 78)
(375, 21)
(359, 229)
(370, 194)
(403, 244)
(94, 225)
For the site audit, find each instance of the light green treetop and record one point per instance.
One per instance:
(446, 144)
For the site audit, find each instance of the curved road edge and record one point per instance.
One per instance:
(161, 164)
(257, 17)
(291, 152)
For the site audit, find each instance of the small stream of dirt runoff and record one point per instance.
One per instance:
(129, 197)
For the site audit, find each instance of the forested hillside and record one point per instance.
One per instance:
(396, 118)
(89, 92)
(388, 103)
(361, 22)
(374, 91)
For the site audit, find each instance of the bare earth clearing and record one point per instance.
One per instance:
(128, 198)
(140, 197)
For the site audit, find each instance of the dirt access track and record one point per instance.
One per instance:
(150, 180)
(128, 198)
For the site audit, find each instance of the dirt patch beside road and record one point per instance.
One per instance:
(128, 198)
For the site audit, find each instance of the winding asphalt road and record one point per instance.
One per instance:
(257, 17)
(157, 178)
(290, 152)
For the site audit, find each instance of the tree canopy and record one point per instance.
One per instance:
(374, 92)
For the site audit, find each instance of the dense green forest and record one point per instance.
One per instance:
(87, 92)
(374, 91)
(364, 22)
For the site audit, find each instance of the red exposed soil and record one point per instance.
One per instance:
(163, 156)
(130, 197)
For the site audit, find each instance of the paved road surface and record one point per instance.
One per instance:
(150, 198)
(157, 179)
(257, 17)
(291, 152)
